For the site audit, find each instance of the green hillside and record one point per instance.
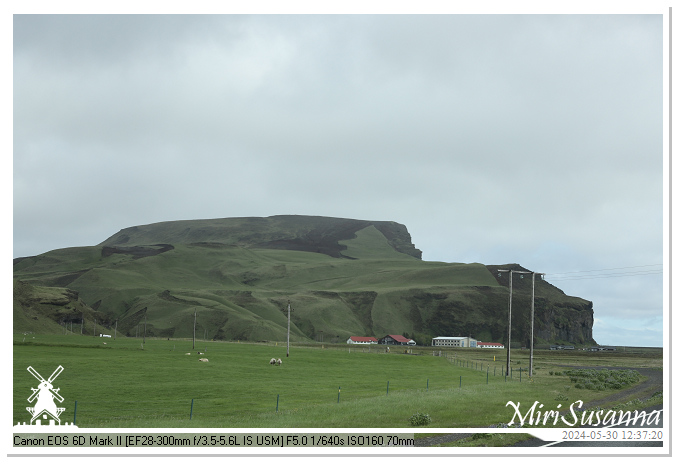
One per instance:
(342, 277)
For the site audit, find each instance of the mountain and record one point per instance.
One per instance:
(343, 277)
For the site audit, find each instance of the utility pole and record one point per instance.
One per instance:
(289, 309)
(194, 328)
(532, 325)
(509, 323)
(509, 318)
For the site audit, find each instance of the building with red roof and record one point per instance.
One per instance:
(489, 345)
(396, 340)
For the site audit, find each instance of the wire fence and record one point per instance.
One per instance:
(201, 407)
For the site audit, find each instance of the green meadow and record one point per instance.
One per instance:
(127, 383)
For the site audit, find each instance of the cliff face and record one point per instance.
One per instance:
(481, 312)
(558, 317)
(563, 322)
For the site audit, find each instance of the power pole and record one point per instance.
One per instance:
(509, 319)
(289, 309)
(509, 323)
(532, 325)
(509, 326)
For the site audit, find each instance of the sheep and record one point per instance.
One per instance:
(273, 361)
(188, 354)
(279, 362)
(203, 360)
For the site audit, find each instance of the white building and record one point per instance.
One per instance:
(362, 340)
(489, 345)
(462, 342)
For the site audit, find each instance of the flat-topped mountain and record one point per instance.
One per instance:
(343, 277)
(316, 234)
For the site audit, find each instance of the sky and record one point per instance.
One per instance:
(494, 138)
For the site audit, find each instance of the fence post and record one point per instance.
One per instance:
(460, 382)
(339, 389)
(75, 410)
(277, 397)
(191, 414)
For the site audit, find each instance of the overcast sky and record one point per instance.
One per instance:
(496, 139)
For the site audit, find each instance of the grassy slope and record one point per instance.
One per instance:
(239, 292)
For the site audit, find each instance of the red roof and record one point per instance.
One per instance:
(400, 338)
(363, 339)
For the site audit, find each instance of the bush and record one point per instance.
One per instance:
(420, 419)
(602, 379)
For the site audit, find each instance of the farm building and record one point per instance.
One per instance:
(463, 342)
(362, 340)
(489, 345)
(602, 348)
(395, 340)
(561, 347)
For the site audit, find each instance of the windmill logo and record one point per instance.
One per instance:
(45, 394)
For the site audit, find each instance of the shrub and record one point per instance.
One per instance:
(420, 419)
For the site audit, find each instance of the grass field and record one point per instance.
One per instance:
(122, 385)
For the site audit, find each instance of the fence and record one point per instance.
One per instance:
(105, 413)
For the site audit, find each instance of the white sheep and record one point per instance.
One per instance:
(188, 354)
(273, 361)
(279, 362)
(203, 360)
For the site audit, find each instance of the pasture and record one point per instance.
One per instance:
(119, 384)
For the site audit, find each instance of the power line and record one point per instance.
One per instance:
(599, 270)
(605, 276)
